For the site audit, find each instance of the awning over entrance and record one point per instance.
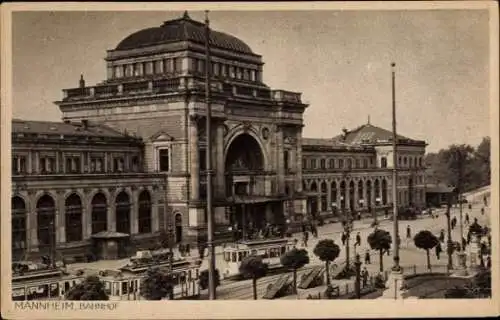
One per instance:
(246, 199)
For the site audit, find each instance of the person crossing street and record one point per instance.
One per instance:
(358, 239)
(367, 257)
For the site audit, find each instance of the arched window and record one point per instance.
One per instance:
(377, 192)
(365, 163)
(18, 227)
(369, 193)
(333, 191)
(324, 193)
(349, 163)
(144, 212)
(411, 162)
(399, 161)
(420, 162)
(304, 186)
(314, 187)
(123, 213)
(405, 161)
(45, 221)
(323, 163)
(351, 195)
(360, 193)
(342, 194)
(331, 164)
(99, 213)
(341, 163)
(383, 162)
(73, 208)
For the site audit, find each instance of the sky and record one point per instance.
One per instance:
(339, 60)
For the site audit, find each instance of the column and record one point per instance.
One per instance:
(60, 219)
(337, 182)
(32, 216)
(279, 160)
(365, 201)
(356, 197)
(134, 213)
(298, 160)
(111, 217)
(348, 195)
(219, 163)
(194, 156)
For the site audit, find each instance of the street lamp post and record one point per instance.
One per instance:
(394, 174)
(449, 242)
(208, 125)
(347, 231)
(358, 277)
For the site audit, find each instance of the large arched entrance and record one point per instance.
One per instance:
(244, 166)
(99, 213)
(144, 212)
(123, 213)
(18, 228)
(73, 207)
(46, 212)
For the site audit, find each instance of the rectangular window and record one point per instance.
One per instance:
(215, 69)
(252, 75)
(167, 65)
(158, 67)
(223, 70)
(245, 74)
(177, 65)
(313, 163)
(231, 72)
(164, 160)
(238, 73)
(201, 66)
(135, 163)
(203, 159)
(118, 164)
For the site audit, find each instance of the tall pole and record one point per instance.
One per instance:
(210, 227)
(449, 242)
(394, 173)
(460, 172)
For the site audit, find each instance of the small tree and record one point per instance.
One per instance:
(157, 284)
(253, 267)
(426, 240)
(295, 259)
(327, 251)
(90, 289)
(380, 240)
(204, 279)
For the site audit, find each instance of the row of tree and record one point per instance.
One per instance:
(461, 166)
(158, 284)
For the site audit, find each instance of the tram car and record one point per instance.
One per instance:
(41, 282)
(270, 250)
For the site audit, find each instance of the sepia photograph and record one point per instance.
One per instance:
(208, 152)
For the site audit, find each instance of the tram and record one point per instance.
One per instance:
(40, 282)
(270, 250)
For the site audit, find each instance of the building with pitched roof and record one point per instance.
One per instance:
(128, 160)
(353, 171)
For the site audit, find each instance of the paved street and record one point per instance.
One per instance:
(409, 254)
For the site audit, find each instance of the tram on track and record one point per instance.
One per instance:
(35, 281)
(270, 250)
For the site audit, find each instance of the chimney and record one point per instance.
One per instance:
(344, 133)
(82, 82)
(85, 124)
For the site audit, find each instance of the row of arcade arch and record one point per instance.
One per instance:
(46, 216)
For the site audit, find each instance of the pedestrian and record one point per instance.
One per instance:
(470, 206)
(367, 257)
(364, 275)
(181, 249)
(358, 239)
(408, 232)
(488, 262)
(466, 218)
(438, 250)
(344, 238)
(485, 200)
(303, 227)
(188, 249)
(441, 235)
(359, 215)
(482, 211)
(306, 237)
(464, 242)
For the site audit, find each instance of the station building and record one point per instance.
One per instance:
(127, 162)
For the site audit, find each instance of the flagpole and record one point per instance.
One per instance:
(210, 227)
(394, 173)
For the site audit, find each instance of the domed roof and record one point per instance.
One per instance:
(183, 29)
